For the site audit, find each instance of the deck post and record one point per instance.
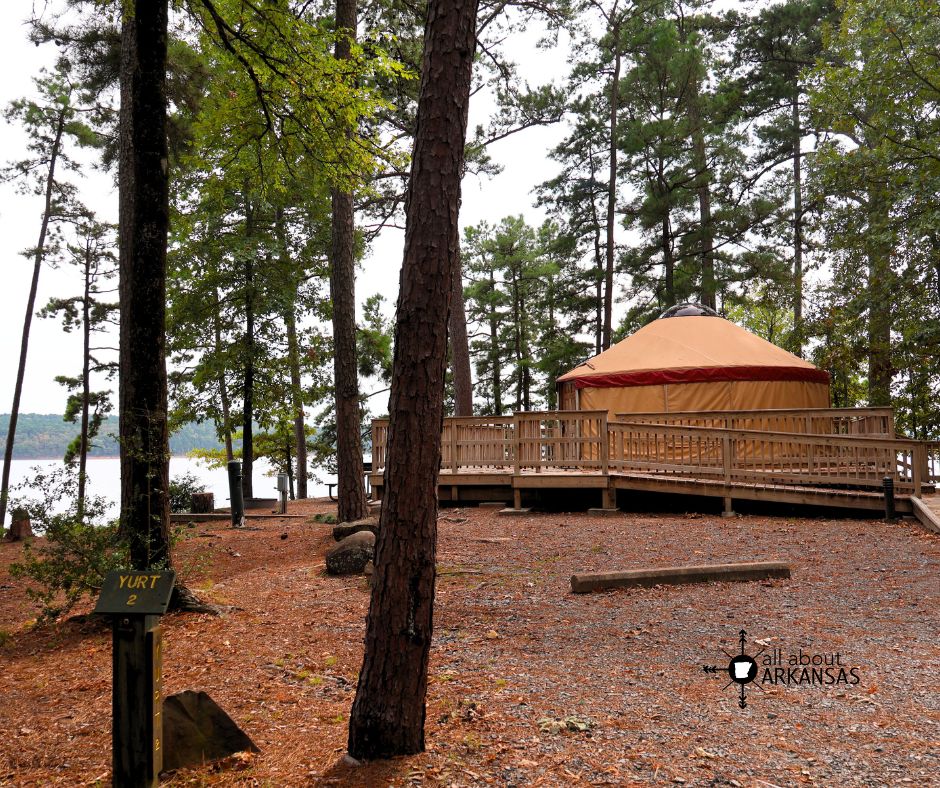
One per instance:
(517, 432)
(516, 498)
(605, 446)
(453, 446)
(918, 466)
(726, 472)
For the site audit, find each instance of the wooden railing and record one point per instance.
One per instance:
(478, 443)
(379, 443)
(561, 440)
(853, 454)
(525, 441)
(932, 469)
(876, 422)
(767, 457)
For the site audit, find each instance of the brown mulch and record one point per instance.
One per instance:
(513, 648)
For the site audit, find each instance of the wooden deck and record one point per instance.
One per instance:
(815, 457)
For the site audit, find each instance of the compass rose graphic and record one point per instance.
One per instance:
(742, 670)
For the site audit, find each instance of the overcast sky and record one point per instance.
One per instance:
(52, 352)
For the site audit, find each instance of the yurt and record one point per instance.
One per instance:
(692, 360)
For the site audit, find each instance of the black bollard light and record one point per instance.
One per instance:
(890, 512)
(235, 493)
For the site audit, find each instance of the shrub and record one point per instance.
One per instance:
(181, 491)
(79, 550)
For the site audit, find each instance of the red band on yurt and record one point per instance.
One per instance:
(701, 375)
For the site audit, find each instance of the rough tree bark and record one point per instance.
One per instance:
(797, 225)
(248, 349)
(612, 192)
(388, 713)
(30, 308)
(880, 299)
(495, 354)
(223, 387)
(351, 492)
(144, 221)
(293, 361)
(460, 347)
(300, 429)
(86, 383)
(703, 191)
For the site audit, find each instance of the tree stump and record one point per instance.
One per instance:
(20, 528)
(202, 503)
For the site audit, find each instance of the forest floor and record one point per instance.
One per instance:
(515, 654)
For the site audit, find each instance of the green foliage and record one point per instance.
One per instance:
(374, 341)
(525, 307)
(77, 552)
(876, 171)
(181, 491)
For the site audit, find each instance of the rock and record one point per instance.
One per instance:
(350, 556)
(343, 530)
(196, 730)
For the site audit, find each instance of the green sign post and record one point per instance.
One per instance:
(135, 601)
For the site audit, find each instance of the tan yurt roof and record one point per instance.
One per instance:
(691, 349)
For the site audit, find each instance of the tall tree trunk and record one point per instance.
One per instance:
(517, 340)
(797, 343)
(248, 349)
(28, 318)
(86, 387)
(880, 299)
(669, 263)
(495, 356)
(223, 387)
(703, 191)
(144, 220)
(293, 362)
(388, 713)
(350, 474)
(598, 267)
(612, 192)
(460, 347)
(300, 428)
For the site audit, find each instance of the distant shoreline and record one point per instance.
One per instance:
(95, 457)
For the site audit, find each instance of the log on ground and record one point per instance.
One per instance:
(585, 582)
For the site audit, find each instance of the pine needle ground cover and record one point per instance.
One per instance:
(529, 684)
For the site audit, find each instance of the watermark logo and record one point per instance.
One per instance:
(777, 668)
(742, 670)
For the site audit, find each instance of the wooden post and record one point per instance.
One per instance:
(137, 702)
(605, 445)
(202, 503)
(726, 460)
(517, 430)
(918, 467)
(136, 600)
(453, 447)
(20, 526)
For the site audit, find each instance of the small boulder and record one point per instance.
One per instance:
(350, 556)
(196, 731)
(343, 530)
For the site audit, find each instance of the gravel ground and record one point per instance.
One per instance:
(529, 684)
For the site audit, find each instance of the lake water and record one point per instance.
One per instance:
(104, 477)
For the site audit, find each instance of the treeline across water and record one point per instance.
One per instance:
(46, 436)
